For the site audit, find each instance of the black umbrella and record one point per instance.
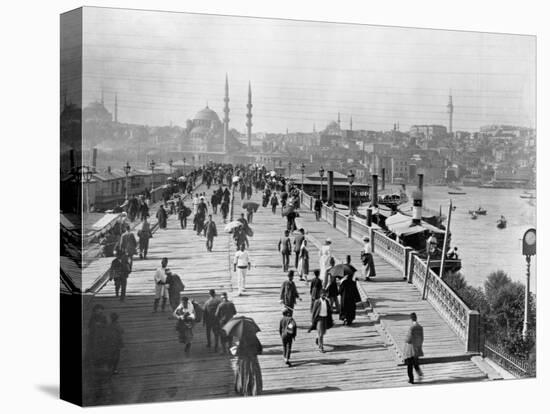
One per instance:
(343, 269)
(287, 210)
(250, 204)
(240, 326)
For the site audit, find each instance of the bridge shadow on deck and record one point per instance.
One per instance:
(153, 366)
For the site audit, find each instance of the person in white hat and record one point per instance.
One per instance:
(367, 259)
(325, 253)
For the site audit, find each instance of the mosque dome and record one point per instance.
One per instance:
(207, 114)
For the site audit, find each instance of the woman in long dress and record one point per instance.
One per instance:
(303, 261)
(325, 253)
(349, 295)
(185, 317)
(248, 378)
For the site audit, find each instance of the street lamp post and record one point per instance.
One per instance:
(321, 174)
(152, 165)
(127, 170)
(183, 165)
(302, 169)
(289, 169)
(529, 249)
(170, 163)
(87, 174)
(351, 178)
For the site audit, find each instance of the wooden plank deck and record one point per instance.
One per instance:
(392, 298)
(153, 366)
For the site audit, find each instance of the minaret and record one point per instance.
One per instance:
(102, 96)
(338, 119)
(351, 123)
(450, 109)
(116, 108)
(226, 115)
(249, 116)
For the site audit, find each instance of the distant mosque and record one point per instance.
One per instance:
(207, 133)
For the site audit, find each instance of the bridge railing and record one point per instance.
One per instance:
(520, 368)
(391, 251)
(341, 222)
(462, 320)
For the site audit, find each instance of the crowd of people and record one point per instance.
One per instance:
(332, 287)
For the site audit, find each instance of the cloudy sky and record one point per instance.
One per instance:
(167, 66)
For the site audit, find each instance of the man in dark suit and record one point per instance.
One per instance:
(209, 319)
(210, 232)
(287, 330)
(413, 348)
(289, 293)
(297, 244)
(128, 245)
(226, 310)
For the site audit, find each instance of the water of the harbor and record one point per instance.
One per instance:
(482, 246)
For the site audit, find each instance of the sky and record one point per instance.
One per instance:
(165, 67)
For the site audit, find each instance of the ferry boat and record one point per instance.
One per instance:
(400, 228)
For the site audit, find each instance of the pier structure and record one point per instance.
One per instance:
(368, 354)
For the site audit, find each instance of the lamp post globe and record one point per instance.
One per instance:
(529, 249)
(152, 166)
(321, 174)
(127, 169)
(351, 178)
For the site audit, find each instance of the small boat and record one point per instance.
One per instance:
(480, 211)
(473, 215)
(456, 192)
(501, 223)
(528, 196)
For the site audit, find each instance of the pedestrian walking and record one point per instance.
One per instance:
(317, 207)
(289, 293)
(160, 285)
(144, 234)
(367, 259)
(119, 272)
(183, 213)
(321, 319)
(224, 207)
(128, 245)
(241, 263)
(225, 311)
(297, 245)
(195, 204)
(287, 331)
(303, 261)
(114, 342)
(185, 321)
(349, 295)
(248, 378)
(210, 232)
(284, 248)
(315, 288)
(274, 203)
(162, 217)
(175, 287)
(291, 221)
(210, 321)
(249, 213)
(413, 347)
(325, 253)
(332, 291)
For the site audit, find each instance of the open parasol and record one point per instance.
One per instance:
(250, 204)
(240, 326)
(232, 226)
(343, 269)
(288, 209)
